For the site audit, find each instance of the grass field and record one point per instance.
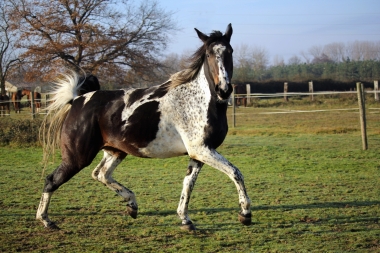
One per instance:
(312, 189)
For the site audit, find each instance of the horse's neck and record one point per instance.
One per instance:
(203, 82)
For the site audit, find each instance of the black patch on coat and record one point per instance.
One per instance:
(155, 92)
(160, 91)
(225, 95)
(135, 96)
(217, 127)
(114, 106)
(143, 124)
(78, 101)
(189, 170)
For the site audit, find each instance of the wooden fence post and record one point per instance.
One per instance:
(46, 100)
(248, 94)
(32, 104)
(311, 90)
(233, 107)
(376, 89)
(363, 126)
(285, 91)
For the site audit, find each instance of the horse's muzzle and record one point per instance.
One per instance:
(223, 92)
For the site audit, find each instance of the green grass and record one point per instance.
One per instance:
(312, 189)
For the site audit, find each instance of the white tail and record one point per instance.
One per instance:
(65, 90)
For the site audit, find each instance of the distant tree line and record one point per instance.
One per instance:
(272, 86)
(358, 61)
(347, 71)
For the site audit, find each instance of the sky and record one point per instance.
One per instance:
(282, 27)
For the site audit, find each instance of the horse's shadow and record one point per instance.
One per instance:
(320, 205)
(314, 205)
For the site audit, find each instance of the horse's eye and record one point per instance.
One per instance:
(208, 55)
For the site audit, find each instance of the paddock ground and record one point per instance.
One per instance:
(313, 189)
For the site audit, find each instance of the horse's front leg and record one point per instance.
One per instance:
(103, 173)
(212, 158)
(188, 185)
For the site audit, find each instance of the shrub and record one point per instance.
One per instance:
(16, 132)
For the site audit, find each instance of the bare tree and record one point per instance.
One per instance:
(243, 62)
(306, 57)
(250, 62)
(321, 59)
(316, 51)
(105, 37)
(278, 60)
(8, 54)
(242, 56)
(294, 60)
(363, 50)
(175, 62)
(259, 58)
(335, 51)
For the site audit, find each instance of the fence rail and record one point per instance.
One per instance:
(32, 112)
(359, 91)
(27, 107)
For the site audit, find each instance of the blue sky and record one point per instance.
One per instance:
(282, 27)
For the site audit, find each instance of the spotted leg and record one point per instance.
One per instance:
(103, 173)
(214, 159)
(42, 211)
(188, 185)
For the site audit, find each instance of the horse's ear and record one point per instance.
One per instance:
(228, 33)
(201, 35)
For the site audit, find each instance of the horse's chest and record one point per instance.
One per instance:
(180, 123)
(167, 143)
(167, 126)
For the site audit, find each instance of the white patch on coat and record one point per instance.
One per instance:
(87, 97)
(42, 211)
(223, 75)
(181, 124)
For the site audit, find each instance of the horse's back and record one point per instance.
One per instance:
(160, 121)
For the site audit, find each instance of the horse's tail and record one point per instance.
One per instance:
(67, 87)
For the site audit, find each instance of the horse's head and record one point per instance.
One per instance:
(25, 92)
(218, 61)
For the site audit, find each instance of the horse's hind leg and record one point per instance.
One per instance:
(188, 185)
(103, 173)
(53, 181)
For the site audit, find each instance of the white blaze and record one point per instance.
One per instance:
(223, 75)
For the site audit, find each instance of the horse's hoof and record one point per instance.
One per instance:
(52, 226)
(188, 227)
(245, 219)
(132, 212)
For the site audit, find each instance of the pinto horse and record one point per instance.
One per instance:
(184, 116)
(36, 96)
(4, 105)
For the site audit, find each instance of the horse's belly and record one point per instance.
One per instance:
(168, 143)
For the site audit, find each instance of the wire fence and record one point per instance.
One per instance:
(241, 116)
(238, 116)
